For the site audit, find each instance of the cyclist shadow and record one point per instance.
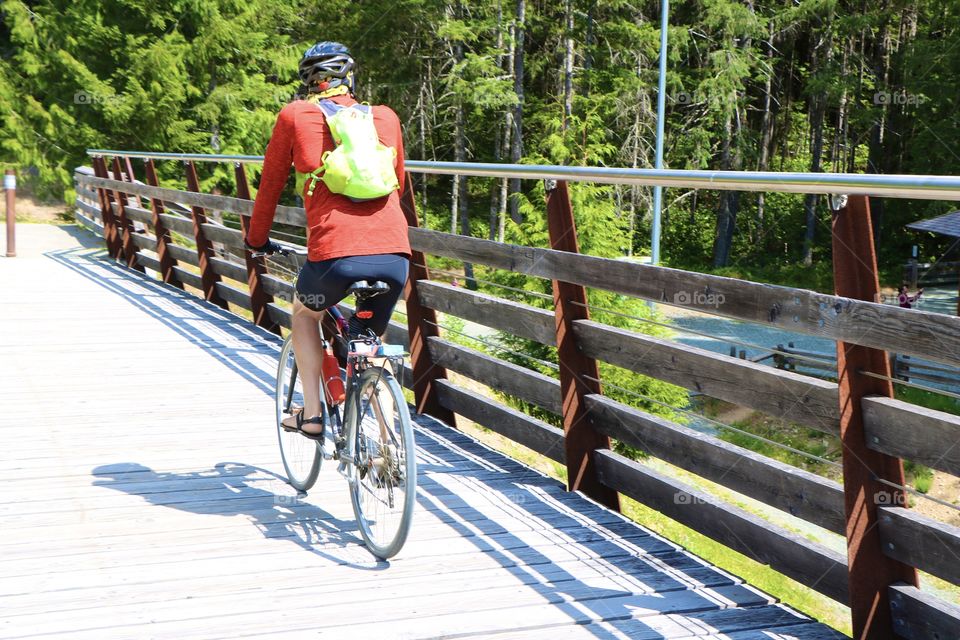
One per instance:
(229, 490)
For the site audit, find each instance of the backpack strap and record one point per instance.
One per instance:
(329, 107)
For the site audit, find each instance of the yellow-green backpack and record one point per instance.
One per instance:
(360, 167)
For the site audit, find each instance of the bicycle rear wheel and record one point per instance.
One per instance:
(383, 483)
(301, 456)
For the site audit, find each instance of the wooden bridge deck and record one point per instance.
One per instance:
(141, 495)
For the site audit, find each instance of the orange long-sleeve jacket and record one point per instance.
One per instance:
(336, 225)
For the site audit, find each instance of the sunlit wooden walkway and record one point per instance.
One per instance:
(141, 495)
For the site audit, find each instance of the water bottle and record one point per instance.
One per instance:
(332, 382)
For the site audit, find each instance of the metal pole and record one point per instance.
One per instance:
(10, 187)
(661, 109)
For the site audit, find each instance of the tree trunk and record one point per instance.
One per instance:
(460, 208)
(729, 200)
(821, 51)
(516, 146)
(493, 219)
(766, 130)
(568, 66)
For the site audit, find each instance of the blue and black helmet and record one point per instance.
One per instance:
(329, 62)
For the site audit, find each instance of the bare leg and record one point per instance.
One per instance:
(308, 351)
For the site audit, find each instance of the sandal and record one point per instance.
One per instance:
(298, 428)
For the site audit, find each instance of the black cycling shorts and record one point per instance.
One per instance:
(323, 284)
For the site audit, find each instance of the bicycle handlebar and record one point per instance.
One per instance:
(283, 251)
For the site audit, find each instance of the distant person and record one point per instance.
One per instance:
(905, 299)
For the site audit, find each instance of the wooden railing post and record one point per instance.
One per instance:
(579, 375)
(422, 324)
(131, 178)
(259, 298)
(167, 261)
(110, 235)
(208, 277)
(870, 571)
(125, 223)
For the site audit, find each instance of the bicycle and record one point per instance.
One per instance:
(373, 439)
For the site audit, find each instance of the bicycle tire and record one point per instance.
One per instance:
(381, 474)
(301, 456)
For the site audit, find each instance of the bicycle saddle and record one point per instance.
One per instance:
(363, 290)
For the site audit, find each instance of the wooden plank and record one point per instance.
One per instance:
(139, 215)
(188, 277)
(239, 297)
(91, 211)
(148, 261)
(90, 223)
(224, 235)
(278, 287)
(517, 318)
(503, 376)
(932, 335)
(287, 215)
(919, 541)
(229, 268)
(183, 254)
(793, 555)
(909, 431)
(783, 394)
(921, 616)
(534, 434)
(183, 226)
(143, 241)
(783, 486)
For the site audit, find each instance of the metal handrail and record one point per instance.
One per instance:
(892, 186)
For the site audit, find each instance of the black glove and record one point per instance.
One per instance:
(269, 247)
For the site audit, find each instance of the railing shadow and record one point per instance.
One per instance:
(221, 334)
(648, 568)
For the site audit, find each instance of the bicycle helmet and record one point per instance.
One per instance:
(327, 65)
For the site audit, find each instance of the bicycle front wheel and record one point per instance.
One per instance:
(383, 485)
(301, 456)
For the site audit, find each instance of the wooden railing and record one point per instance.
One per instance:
(887, 541)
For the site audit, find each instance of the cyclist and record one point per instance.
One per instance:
(347, 240)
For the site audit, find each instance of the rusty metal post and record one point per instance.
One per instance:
(10, 190)
(422, 324)
(131, 179)
(579, 374)
(208, 277)
(110, 235)
(870, 571)
(126, 224)
(256, 269)
(167, 261)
